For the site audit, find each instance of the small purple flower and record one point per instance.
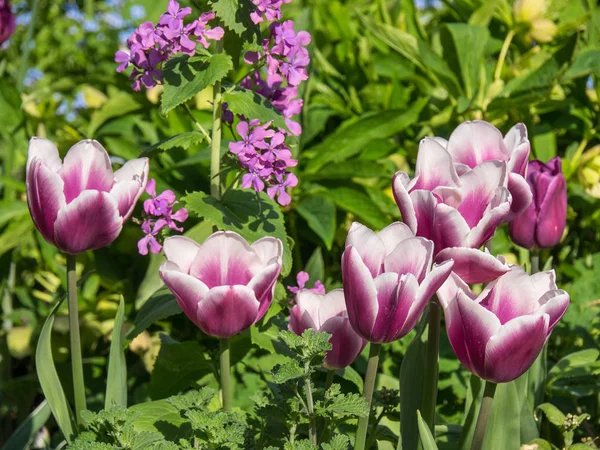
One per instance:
(270, 9)
(174, 16)
(149, 240)
(301, 279)
(279, 190)
(200, 31)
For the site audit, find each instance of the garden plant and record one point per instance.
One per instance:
(300, 224)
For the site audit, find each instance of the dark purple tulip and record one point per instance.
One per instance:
(543, 223)
(7, 21)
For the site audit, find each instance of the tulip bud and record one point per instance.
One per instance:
(543, 223)
(327, 312)
(79, 204)
(7, 21)
(528, 10)
(543, 30)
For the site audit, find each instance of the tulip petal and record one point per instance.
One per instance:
(182, 251)
(403, 200)
(451, 230)
(46, 151)
(225, 259)
(130, 181)
(454, 329)
(263, 285)
(188, 290)
(227, 310)
(472, 143)
(413, 255)
(359, 292)
(45, 196)
(496, 215)
(89, 222)
(552, 215)
(448, 291)
(368, 245)
(333, 304)
(478, 325)
(397, 320)
(555, 304)
(522, 228)
(424, 207)
(473, 265)
(393, 234)
(346, 345)
(518, 146)
(434, 167)
(434, 281)
(520, 193)
(300, 320)
(86, 167)
(308, 302)
(514, 347)
(268, 248)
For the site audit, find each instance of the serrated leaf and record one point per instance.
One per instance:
(347, 405)
(552, 413)
(253, 106)
(160, 305)
(319, 213)
(182, 140)
(251, 215)
(338, 442)
(116, 382)
(235, 15)
(185, 76)
(153, 416)
(288, 371)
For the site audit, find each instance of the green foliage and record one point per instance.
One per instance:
(338, 405)
(116, 383)
(249, 104)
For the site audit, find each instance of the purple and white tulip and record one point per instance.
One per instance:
(499, 334)
(388, 280)
(327, 312)
(543, 224)
(223, 285)
(79, 204)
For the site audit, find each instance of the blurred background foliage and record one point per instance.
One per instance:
(383, 75)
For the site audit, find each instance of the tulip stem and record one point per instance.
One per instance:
(535, 261)
(75, 340)
(430, 383)
(369, 386)
(215, 143)
(225, 371)
(312, 431)
(329, 380)
(484, 413)
(503, 52)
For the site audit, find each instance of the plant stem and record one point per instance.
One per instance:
(431, 366)
(484, 413)
(225, 371)
(89, 8)
(312, 431)
(329, 380)
(24, 63)
(369, 386)
(75, 340)
(186, 108)
(503, 52)
(215, 144)
(534, 255)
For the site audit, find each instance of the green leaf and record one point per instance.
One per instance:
(160, 416)
(338, 442)
(352, 137)
(252, 215)
(182, 140)
(456, 37)
(319, 213)
(118, 104)
(576, 364)
(253, 106)
(116, 383)
(235, 15)
(285, 372)
(427, 439)
(357, 202)
(48, 378)
(11, 210)
(160, 305)
(350, 169)
(474, 395)
(503, 428)
(483, 15)
(185, 76)
(11, 114)
(552, 413)
(24, 435)
(586, 63)
(315, 267)
(346, 405)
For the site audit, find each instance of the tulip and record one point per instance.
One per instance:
(79, 204)
(7, 21)
(543, 224)
(327, 312)
(499, 334)
(388, 280)
(223, 285)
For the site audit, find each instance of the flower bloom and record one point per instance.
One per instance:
(388, 280)
(7, 21)
(79, 204)
(223, 285)
(458, 199)
(301, 279)
(499, 334)
(327, 312)
(543, 224)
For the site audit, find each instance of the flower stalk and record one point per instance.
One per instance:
(225, 372)
(484, 413)
(431, 366)
(369, 387)
(312, 431)
(215, 144)
(75, 340)
(503, 53)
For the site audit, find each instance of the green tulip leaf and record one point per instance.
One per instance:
(116, 383)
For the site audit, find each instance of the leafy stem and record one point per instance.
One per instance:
(431, 366)
(215, 144)
(225, 372)
(312, 431)
(198, 125)
(484, 413)
(369, 387)
(503, 52)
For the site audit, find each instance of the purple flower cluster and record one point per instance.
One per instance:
(262, 151)
(267, 9)
(158, 214)
(7, 21)
(151, 45)
(301, 279)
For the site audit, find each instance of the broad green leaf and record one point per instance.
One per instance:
(181, 140)
(427, 439)
(586, 63)
(350, 374)
(160, 416)
(160, 305)
(575, 364)
(11, 114)
(116, 382)
(12, 209)
(315, 267)
(482, 16)
(319, 213)
(351, 138)
(48, 378)
(252, 215)
(356, 167)
(235, 15)
(185, 76)
(503, 428)
(542, 444)
(119, 104)
(456, 37)
(253, 106)
(472, 406)
(14, 233)
(552, 413)
(355, 201)
(24, 435)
